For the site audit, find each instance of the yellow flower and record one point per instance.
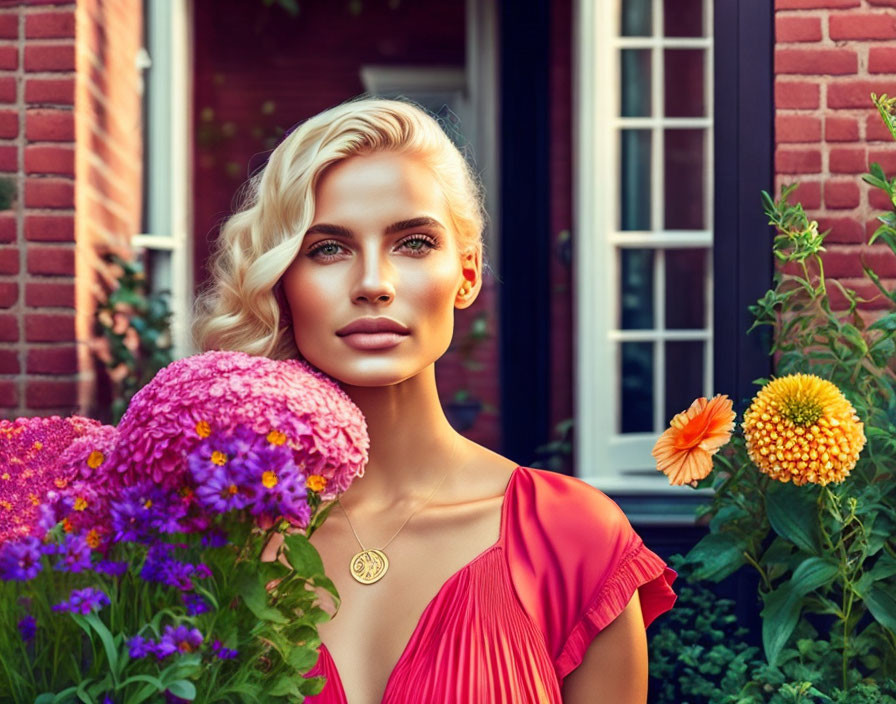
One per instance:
(275, 437)
(801, 428)
(316, 482)
(684, 451)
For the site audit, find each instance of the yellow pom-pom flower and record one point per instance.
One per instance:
(801, 428)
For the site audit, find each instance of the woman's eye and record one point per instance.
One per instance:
(331, 250)
(324, 250)
(424, 243)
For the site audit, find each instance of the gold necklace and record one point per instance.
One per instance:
(370, 565)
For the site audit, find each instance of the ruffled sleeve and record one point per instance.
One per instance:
(575, 562)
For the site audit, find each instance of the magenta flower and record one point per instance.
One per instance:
(83, 601)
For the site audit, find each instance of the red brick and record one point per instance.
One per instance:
(44, 25)
(8, 92)
(8, 227)
(880, 259)
(9, 26)
(857, 94)
(797, 161)
(50, 228)
(839, 195)
(881, 59)
(54, 91)
(9, 260)
(882, 3)
(841, 129)
(796, 95)
(9, 293)
(49, 327)
(50, 125)
(842, 262)
(9, 159)
(797, 128)
(51, 260)
(52, 57)
(9, 328)
(41, 294)
(809, 194)
(842, 231)
(52, 360)
(847, 160)
(886, 158)
(9, 394)
(9, 363)
(798, 29)
(870, 25)
(51, 394)
(878, 200)
(876, 130)
(9, 58)
(49, 193)
(50, 160)
(9, 124)
(813, 4)
(816, 61)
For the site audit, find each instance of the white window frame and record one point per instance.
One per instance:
(622, 463)
(168, 188)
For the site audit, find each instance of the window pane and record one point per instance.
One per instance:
(635, 181)
(684, 165)
(637, 387)
(635, 99)
(636, 289)
(683, 76)
(683, 18)
(684, 375)
(635, 18)
(685, 289)
(157, 269)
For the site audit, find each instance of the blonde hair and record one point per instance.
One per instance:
(239, 308)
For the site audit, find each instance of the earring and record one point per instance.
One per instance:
(466, 288)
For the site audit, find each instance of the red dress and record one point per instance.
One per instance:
(511, 624)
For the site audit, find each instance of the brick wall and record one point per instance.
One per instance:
(829, 56)
(70, 138)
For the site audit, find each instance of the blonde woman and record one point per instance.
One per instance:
(464, 576)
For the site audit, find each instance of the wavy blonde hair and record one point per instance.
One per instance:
(242, 306)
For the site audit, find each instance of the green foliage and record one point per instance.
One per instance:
(133, 333)
(7, 193)
(825, 555)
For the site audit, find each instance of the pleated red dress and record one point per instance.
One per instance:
(511, 624)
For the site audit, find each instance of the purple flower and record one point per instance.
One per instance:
(83, 601)
(221, 492)
(217, 538)
(178, 639)
(223, 653)
(142, 510)
(195, 604)
(75, 554)
(114, 569)
(20, 560)
(140, 647)
(27, 627)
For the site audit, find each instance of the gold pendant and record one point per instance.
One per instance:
(369, 566)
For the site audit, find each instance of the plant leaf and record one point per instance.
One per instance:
(779, 617)
(791, 512)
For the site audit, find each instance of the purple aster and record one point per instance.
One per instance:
(83, 601)
(178, 639)
(27, 627)
(140, 647)
(222, 492)
(20, 560)
(143, 509)
(195, 604)
(114, 569)
(223, 653)
(75, 554)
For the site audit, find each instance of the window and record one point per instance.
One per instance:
(643, 212)
(164, 244)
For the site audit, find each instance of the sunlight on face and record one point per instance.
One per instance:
(360, 259)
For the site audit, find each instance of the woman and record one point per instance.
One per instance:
(464, 577)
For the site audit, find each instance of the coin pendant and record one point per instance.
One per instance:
(369, 566)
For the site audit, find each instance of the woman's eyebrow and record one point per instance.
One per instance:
(339, 230)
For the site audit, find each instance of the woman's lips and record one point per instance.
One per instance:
(373, 340)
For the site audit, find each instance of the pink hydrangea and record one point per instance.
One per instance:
(217, 391)
(30, 468)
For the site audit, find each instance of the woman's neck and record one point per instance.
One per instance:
(412, 444)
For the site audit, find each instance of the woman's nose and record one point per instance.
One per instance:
(376, 281)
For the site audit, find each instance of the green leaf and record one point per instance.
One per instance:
(303, 556)
(882, 604)
(285, 685)
(251, 587)
(812, 573)
(719, 555)
(183, 689)
(779, 617)
(791, 511)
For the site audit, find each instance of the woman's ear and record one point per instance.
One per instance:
(471, 268)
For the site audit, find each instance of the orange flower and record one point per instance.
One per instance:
(684, 451)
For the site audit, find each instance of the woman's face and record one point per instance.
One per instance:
(381, 245)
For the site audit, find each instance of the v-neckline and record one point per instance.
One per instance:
(336, 680)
